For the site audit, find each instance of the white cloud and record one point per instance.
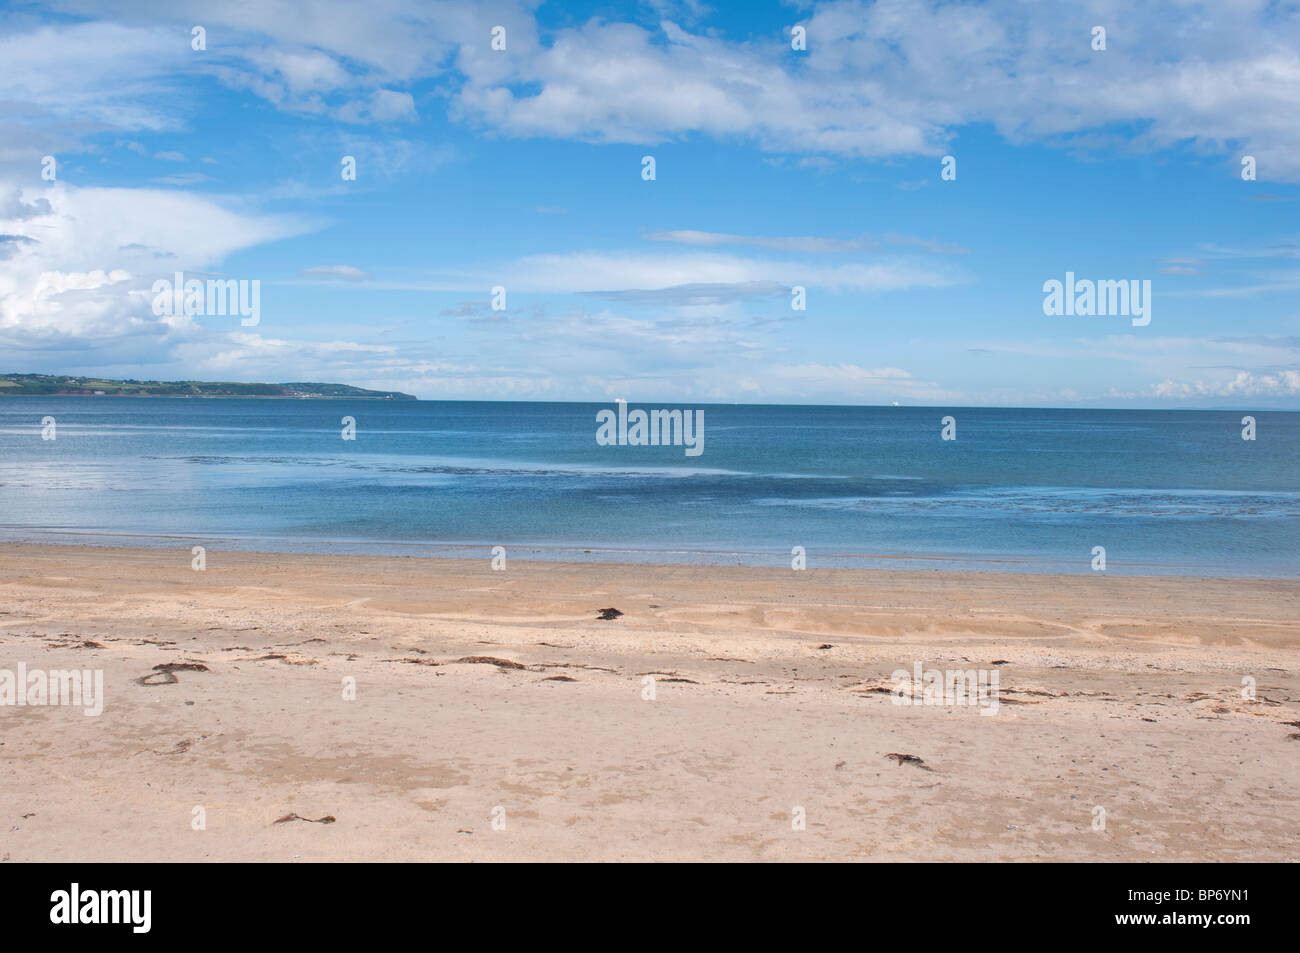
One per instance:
(1284, 383)
(814, 381)
(883, 79)
(91, 75)
(802, 243)
(251, 353)
(334, 273)
(1182, 368)
(306, 71)
(183, 179)
(598, 271)
(898, 78)
(383, 105)
(64, 286)
(14, 209)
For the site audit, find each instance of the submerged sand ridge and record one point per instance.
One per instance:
(497, 717)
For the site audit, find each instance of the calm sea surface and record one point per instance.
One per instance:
(1019, 490)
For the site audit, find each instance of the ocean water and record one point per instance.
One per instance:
(1176, 492)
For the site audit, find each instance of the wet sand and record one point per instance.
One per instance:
(483, 695)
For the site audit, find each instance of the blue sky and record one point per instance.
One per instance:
(774, 168)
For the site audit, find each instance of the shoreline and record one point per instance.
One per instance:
(478, 689)
(985, 564)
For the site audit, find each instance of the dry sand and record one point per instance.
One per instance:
(1117, 692)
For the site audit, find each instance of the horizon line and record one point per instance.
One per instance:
(616, 400)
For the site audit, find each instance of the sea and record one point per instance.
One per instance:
(1172, 492)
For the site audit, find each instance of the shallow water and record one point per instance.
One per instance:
(1025, 490)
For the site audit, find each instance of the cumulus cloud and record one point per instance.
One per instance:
(383, 105)
(898, 78)
(64, 285)
(10, 244)
(879, 79)
(15, 209)
(1284, 383)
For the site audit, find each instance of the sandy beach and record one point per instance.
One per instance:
(497, 717)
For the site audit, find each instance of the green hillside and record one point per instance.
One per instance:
(22, 385)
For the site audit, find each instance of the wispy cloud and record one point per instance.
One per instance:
(804, 243)
(335, 273)
(183, 179)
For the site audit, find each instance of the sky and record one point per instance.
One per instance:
(775, 168)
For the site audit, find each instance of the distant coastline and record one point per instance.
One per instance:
(59, 385)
